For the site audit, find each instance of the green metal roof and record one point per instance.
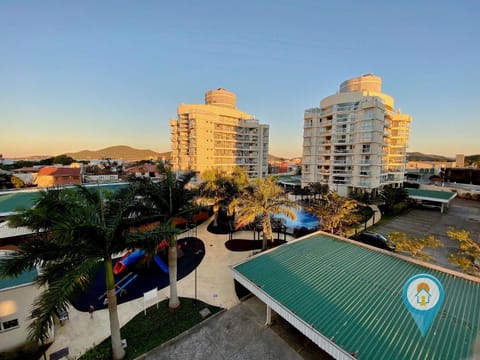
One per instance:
(24, 278)
(10, 201)
(293, 180)
(431, 194)
(353, 295)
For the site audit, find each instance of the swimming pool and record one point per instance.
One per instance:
(304, 219)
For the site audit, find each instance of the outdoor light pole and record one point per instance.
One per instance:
(195, 285)
(198, 252)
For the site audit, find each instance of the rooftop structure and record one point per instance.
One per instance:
(347, 298)
(218, 135)
(355, 141)
(58, 176)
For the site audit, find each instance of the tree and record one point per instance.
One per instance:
(17, 182)
(333, 211)
(414, 245)
(468, 254)
(164, 201)
(261, 200)
(218, 188)
(76, 230)
(393, 197)
(318, 189)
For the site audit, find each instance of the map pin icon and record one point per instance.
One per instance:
(423, 296)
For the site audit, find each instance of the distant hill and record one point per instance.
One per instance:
(122, 152)
(272, 158)
(418, 156)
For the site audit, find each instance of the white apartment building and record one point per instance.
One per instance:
(355, 141)
(218, 135)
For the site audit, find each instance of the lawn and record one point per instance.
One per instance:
(144, 333)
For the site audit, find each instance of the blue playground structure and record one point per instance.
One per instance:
(161, 264)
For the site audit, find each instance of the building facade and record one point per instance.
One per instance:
(218, 135)
(355, 141)
(16, 298)
(58, 176)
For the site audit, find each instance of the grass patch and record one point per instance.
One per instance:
(144, 333)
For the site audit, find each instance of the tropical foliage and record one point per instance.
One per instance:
(163, 203)
(468, 254)
(218, 189)
(77, 229)
(415, 246)
(334, 212)
(317, 188)
(396, 199)
(261, 200)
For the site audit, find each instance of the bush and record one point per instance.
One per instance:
(399, 208)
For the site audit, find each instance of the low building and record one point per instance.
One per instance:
(462, 175)
(144, 170)
(58, 176)
(100, 178)
(16, 297)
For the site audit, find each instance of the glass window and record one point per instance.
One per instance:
(9, 324)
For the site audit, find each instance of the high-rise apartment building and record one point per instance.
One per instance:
(218, 135)
(355, 141)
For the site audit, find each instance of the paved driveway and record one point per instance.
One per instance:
(462, 214)
(238, 334)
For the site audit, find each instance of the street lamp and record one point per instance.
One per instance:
(198, 252)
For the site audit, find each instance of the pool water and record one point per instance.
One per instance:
(304, 219)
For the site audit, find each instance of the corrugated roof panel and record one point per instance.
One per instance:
(353, 295)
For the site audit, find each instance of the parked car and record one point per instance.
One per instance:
(375, 239)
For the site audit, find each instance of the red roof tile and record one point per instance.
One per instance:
(54, 171)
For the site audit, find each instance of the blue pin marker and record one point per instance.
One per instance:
(423, 296)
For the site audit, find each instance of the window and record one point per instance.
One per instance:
(10, 324)
(365, 148)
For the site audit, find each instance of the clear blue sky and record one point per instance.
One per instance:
(80, 75)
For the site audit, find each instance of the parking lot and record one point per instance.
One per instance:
(462, 214)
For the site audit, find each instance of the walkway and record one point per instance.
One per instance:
(224, 337)
(214, 286)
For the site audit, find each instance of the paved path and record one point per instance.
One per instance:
(238, 333)
(214, 286)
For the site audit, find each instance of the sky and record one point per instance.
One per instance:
(78, 75)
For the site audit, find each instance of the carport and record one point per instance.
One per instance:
(442, 198)
(347, 298)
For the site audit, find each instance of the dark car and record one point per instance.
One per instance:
(375, 239)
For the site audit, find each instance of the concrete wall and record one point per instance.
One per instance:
(16, 303)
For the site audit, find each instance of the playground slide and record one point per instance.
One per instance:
(161, 264)
(131, 259)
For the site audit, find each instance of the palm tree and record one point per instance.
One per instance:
(164, 201)
(393, 196)
(218, 188)
(77, 229)
(262, 199)
(333, 211)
